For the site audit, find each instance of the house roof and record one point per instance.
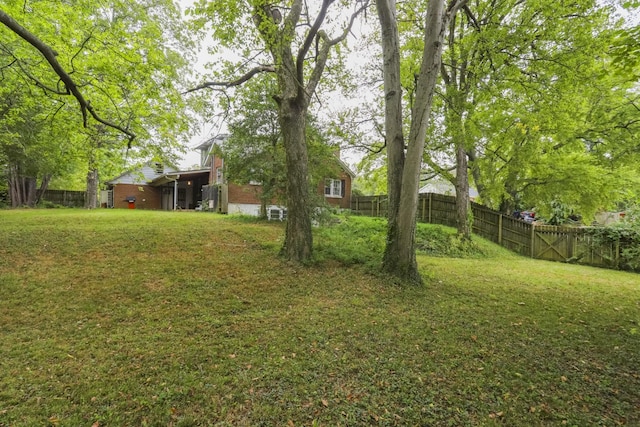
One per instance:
(139, 175)
(209, 142)
(177, 176)
(439, 185)
(147, 175)
(346, 167)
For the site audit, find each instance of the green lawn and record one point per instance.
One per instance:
(133, 318)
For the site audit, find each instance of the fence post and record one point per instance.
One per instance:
(500, 229)
(533, 237)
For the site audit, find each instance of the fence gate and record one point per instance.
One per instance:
(554, 243)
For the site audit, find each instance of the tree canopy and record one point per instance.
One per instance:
(118, 66)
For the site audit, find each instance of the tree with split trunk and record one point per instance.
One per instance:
(405, 154)
(290, 39)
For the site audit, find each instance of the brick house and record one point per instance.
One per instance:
(228, 197)
(155, 186)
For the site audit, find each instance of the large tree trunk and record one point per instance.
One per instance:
(463, 204)
(394, 137)
(400, 258)
(298, 244)
(91, 196)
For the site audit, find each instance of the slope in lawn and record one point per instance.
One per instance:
(157, 318)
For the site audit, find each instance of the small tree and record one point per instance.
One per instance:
(254, 153)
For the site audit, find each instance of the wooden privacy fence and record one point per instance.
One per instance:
(547, 242)
(72, 199)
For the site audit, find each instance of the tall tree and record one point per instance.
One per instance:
(510, 63)
(292, 33)
(404, 168)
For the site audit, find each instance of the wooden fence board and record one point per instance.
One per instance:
(72, 199)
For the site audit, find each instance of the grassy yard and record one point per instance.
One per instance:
(132, 318)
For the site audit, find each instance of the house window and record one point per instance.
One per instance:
(333, 188)
(159, 168)
(218, 175)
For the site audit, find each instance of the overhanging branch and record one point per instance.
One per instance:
(237, 82)
(50, 55)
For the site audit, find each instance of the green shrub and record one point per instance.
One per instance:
(361, 240)
(438, 240)
(624, 236)
(351, 240)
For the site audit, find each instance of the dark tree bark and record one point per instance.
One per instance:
(298, 238)
(24, 190)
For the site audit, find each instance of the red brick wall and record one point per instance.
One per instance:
(247, 194)
(149, 198)
(216, 163)
(250, 194)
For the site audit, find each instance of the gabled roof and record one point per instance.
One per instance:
(148, 175)
(346, 167)
(206, 145)
(140, 175)
(440, 185)
(177, 175)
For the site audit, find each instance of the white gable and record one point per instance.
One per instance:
(439, 185)
(143, 175)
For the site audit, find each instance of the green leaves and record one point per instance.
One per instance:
(531, 92)
(127, 58)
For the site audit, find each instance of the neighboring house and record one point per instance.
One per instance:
(608, 218)
(155, 186)
(439, 185)
(227, 197)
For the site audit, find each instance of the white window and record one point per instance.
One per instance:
(218, 175)
(333, 188)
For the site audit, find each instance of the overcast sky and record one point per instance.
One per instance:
(205, 131)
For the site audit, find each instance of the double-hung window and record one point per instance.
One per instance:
(333, 188)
